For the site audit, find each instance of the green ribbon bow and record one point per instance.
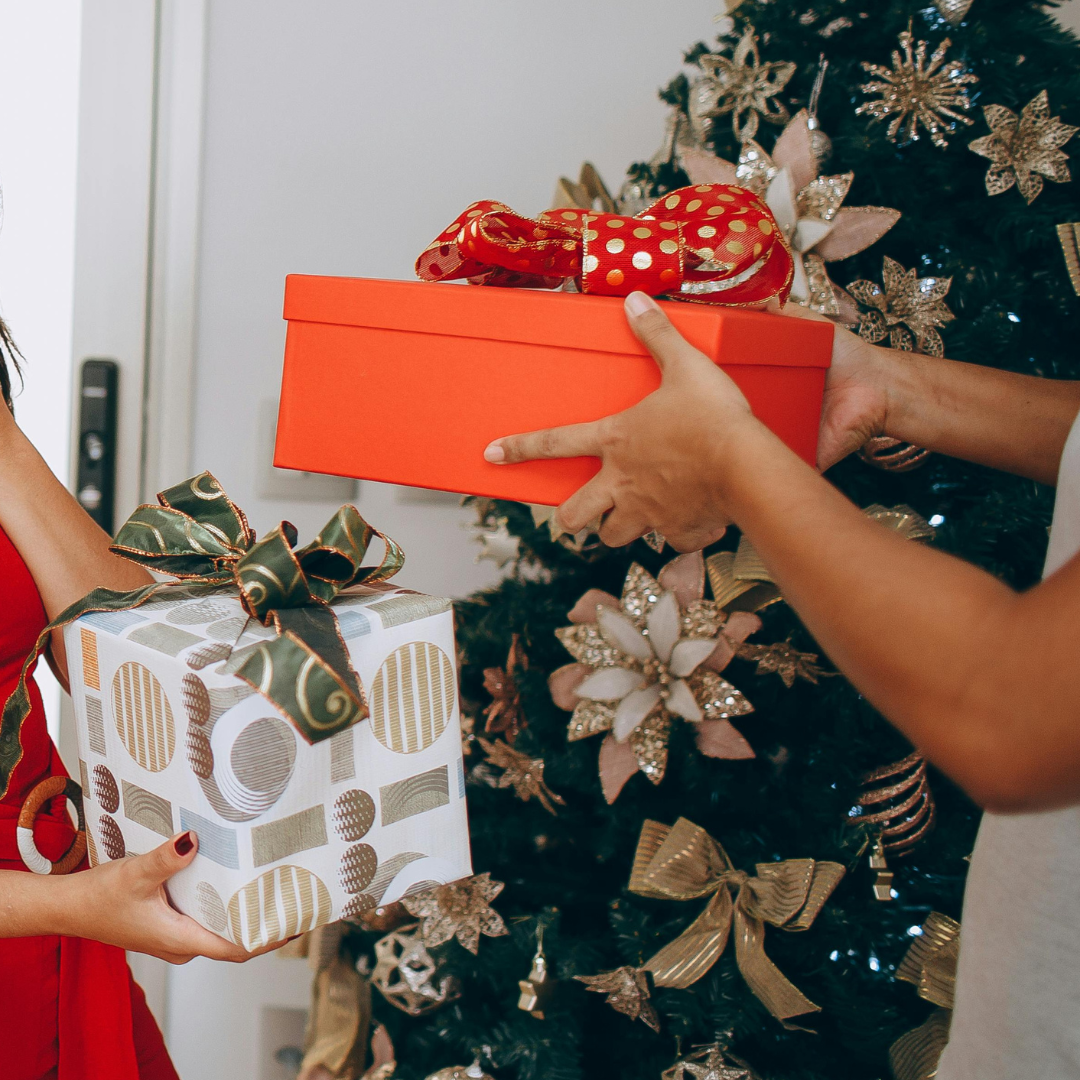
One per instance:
(198, 535)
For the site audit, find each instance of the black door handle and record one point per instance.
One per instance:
(95, 481)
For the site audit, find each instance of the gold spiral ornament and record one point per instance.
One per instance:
(891, 455)
(412, 698)
(144, 717)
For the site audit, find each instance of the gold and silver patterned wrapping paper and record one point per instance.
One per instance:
(291, 835)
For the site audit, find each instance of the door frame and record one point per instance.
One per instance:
(137, 222)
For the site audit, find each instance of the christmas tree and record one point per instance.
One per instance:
(941, 119)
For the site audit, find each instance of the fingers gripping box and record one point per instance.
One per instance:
(291, 835)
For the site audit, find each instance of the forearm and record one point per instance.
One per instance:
(66, 552)
(1012, 422)
(920, 634)
(32, 905)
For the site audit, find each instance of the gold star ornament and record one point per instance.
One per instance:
(915, 93)
(627, 990)
(522, 773)
(461, 909)
(1024, 149)
(740, 85)
(906, 309)
(710, 1063)
(782, 659)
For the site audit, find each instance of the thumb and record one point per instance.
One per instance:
(167, 859)
(654, 330)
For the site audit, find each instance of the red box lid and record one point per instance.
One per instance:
(539, 317)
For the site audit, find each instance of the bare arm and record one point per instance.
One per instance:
(66, 552)
(122, 903)
(982, 679)
(1012, 422)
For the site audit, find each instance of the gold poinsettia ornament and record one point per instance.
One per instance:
(1023, 149)
(906, 308)
(742, 85)
(914, 93)
(505, 715)
(808, 208)
(461, 909)
(644, 660)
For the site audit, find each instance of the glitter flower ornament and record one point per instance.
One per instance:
(1022, 150)
(461, 909)
(908, 310)
(914, 93)
(646, 659)
(740, 85)
(808, 208)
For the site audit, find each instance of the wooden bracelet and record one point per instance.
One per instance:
(28, 849)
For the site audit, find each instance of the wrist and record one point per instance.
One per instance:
(63, 902)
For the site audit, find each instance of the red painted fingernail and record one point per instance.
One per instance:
(184, 844)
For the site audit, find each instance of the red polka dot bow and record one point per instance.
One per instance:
(714, 244)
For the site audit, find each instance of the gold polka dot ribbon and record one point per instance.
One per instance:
(197, 534)
(714, 243)
(683, 862)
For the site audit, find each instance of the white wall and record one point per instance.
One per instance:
(39, 98)
(340, 137)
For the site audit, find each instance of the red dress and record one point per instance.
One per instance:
(69, 1009)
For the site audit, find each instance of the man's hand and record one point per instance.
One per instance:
(855, 407)
(662, 458)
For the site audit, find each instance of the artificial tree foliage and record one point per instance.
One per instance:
(1015, 309)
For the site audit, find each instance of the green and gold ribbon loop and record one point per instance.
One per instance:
(683, 862)
(929, 965)
(198, 535)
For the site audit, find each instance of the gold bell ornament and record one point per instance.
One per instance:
(537, 989)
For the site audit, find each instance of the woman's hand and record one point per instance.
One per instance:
(661, 458)
(123, 903)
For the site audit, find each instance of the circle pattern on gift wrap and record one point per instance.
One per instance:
(211, 907)
(355, 905)
(144, 717)
(281, 903)
(204, 611)
(412, 698)
(199, 754)
(105, 789)
(354, 814)
(112, 839)
(262, 757)
(358, 866)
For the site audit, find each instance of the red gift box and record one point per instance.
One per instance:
(407, 382)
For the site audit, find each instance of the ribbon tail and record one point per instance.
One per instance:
(683, 961)
(915, 1055)
(17, 706)
(769, 984)
(305, 673)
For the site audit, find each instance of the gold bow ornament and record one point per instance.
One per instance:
(683, 862)
(930, 965)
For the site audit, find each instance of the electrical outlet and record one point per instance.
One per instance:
(292, 485)
(281, 1043)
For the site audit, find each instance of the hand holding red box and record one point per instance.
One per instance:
(407, 383)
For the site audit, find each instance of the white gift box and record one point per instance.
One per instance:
(291, 835)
